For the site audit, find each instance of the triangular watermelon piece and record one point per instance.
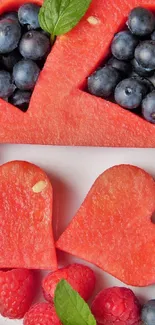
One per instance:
(113, 227)
(26, 238)
(61, 112)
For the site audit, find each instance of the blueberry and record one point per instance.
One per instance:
(141, 21)
(146, 84)
(123, 45)
(10, 33)
(21, 99)
(145, 54)
(13, 15)
(122, 66)
(148, 313)
(34, 45)
(25, 74)
(9, 60)
(102, 82)
(129, 93)
(6, 84)
(143, 72)
(28, 15)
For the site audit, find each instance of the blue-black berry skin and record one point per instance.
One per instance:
(21, 99)
(10, 33)
(129, 93)
(6, 84)
(9, 60)
(25, 74)
(146, 84)
(103, 82)
(148, 111)
(122, 66)
(145, 54)
(143, 72)
(133, 74)
(13, 15)
(28, 15)
(148, 313)
(45, 33)
(34, 45)
(152, 79)
(141, 21)
(123, 45)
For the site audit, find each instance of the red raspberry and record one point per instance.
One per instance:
(42, 314)
(79, 276)
(116, 306)
(16, 292)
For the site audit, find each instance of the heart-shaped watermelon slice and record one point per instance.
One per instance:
(113, 227)
(60, 111)
(26, 238)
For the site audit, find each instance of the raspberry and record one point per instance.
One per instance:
(16, 292)
(42, 314)
(116, 306)
(80, 277)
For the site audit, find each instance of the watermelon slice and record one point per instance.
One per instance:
(26, 238)
(61, 112)
(113, 227)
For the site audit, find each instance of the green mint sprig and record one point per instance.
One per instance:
(70, 307)
(58, 17)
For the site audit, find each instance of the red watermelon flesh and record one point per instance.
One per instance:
(61, 112)
(113, 227)
(26, 238)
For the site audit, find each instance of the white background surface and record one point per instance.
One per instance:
(72, 172)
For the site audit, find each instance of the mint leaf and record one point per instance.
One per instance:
(58, 17)
(70, 307)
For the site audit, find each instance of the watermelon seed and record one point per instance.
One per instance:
(39, 186)
(93, 20)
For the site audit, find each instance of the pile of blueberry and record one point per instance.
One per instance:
(128, 76)
(24, 47)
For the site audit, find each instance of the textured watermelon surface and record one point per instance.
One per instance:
(26, 199)
(61, 112)
(113, 228)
